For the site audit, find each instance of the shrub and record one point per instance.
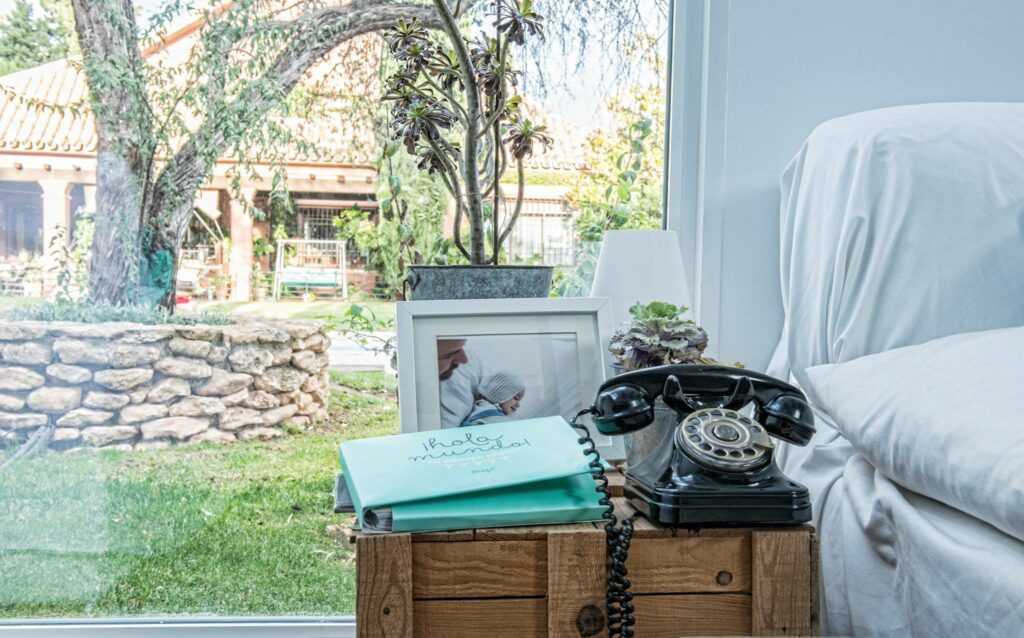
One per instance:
(86, 311)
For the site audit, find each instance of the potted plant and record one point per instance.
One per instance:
(658, 334)
(261, 282)
(456, 87)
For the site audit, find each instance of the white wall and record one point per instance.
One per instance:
(751, 79)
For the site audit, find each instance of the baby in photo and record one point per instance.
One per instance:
(501, 394)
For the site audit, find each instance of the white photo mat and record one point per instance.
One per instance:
(421, 323)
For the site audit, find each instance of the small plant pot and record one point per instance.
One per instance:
(477, 282)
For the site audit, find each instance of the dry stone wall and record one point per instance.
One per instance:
(134, 386)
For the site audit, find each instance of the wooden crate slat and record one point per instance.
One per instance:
(682, 565)
(384, 586)
(479, 569)
(439, 537)
(673, 615)
(642, 528)
(526, 533)
(577, 582)
(782, 583)
(496, 618)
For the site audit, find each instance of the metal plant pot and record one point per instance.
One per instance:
(656, 437)
(477, 282)
(652, 442)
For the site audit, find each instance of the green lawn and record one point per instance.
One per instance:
(289, 309)
(237, 529)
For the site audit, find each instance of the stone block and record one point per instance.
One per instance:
(237, 398)
(10, 403)
(147, 334)
(200, 332)
(74, 351)
(302, 329)
(65, 435)
(68, 373)
(28, 354)
(129, 356)
(213, 436)
(222, 383)
(197, 406)
(309, 361)
(317, 343)
(236, 418)
(106, 400)
(22, 331)
(103, 331)
(190, 347)
(261, 400)
(218, 354)
(55, 400)
(17, 378)
(310, 385)
(120, 380)
(143, 412)
(139, 394)
(175, 427)
(280, 379)
(84, 417)
(184, 368)
(252, 358)
(166, 389)
(277, 415)
(22, 420)
(105, 435)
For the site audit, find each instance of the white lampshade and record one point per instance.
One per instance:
(640, 265)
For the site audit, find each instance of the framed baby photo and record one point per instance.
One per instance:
(467, 362)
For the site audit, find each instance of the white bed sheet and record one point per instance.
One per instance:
(899, 226)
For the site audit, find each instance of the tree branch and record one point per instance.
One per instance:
(510, 224)
(317, 34)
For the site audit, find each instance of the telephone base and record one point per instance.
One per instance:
(780, 502)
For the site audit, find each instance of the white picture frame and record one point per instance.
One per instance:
(421, 323)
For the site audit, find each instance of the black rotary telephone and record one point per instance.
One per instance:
(718, 469)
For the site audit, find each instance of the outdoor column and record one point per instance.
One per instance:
(240, 263)
(89, 190)
(56, 219)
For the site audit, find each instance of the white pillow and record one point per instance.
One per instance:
(944, 418)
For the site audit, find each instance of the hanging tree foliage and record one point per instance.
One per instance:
(162, 125)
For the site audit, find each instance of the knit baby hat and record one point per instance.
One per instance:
(501, 386)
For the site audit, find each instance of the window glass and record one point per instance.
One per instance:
(169, 218)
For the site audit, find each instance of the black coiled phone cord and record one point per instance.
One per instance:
(619, 602)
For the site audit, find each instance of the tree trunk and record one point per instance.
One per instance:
(117, 92)
(114, 265)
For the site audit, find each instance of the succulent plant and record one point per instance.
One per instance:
(657, 335)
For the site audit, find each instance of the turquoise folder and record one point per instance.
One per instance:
(527, 472)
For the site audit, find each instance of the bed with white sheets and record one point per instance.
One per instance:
(902, 236)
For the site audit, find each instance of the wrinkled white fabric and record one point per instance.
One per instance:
(961, 441)
(899, 226)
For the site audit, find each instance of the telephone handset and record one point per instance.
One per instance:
(718, 467)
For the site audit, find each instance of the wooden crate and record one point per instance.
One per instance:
(551, 581)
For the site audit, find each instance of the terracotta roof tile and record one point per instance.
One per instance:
(45, 109)
(41, 109)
